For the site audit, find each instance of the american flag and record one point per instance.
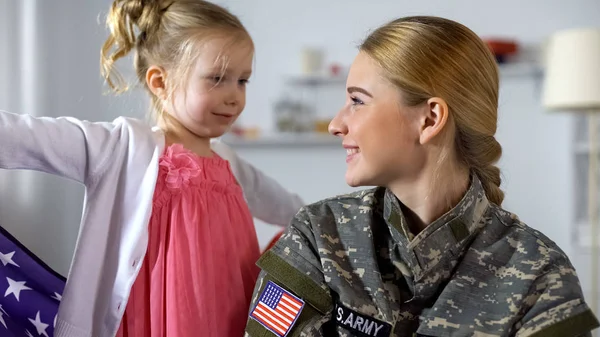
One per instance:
(30, 291)
(277, 309)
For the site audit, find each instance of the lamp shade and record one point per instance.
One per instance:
(572, 76)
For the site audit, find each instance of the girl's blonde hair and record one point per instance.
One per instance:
(429, 57)
(165, 33)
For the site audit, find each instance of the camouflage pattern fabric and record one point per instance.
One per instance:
(476, 271)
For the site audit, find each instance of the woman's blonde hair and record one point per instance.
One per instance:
(165, 33)
(429, 57)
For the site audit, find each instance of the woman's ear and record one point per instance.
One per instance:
(434, 119)
(155, 79)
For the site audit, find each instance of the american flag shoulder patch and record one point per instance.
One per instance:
(277, 309)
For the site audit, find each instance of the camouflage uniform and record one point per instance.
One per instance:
(476, 271)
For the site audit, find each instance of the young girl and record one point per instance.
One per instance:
(167, 245)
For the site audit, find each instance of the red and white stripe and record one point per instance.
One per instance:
(279, 320)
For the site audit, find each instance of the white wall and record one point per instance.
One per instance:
(281, 28)
(536, 163)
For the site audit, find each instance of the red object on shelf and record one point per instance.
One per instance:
(502, 47)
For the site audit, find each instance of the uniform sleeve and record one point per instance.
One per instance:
(294, 265)
(266, 198)
(558, 307)
(64, 147)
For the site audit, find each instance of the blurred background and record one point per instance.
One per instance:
(49, 66)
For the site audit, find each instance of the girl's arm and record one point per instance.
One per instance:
(268, 200)
(63, 146)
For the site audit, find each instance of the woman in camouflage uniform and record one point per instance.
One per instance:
(430, 252)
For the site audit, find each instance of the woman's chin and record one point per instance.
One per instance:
(353, 180)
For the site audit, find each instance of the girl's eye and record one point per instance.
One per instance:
(243, 82)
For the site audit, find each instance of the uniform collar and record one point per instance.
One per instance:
(443, 240)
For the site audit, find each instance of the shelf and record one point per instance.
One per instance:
(507, 71)
(284, 140)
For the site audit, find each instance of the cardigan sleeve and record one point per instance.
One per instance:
(268, 200)
(65, 146)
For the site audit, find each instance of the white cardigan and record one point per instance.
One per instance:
(118, 164)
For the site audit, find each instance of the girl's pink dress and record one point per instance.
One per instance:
(199, 272)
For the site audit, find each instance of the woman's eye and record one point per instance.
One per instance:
(356, 101)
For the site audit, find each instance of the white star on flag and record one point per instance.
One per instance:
(2, 313)
(57, 297)
(15, 288)
(7, 259)
(39, 325)
(36, 287)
